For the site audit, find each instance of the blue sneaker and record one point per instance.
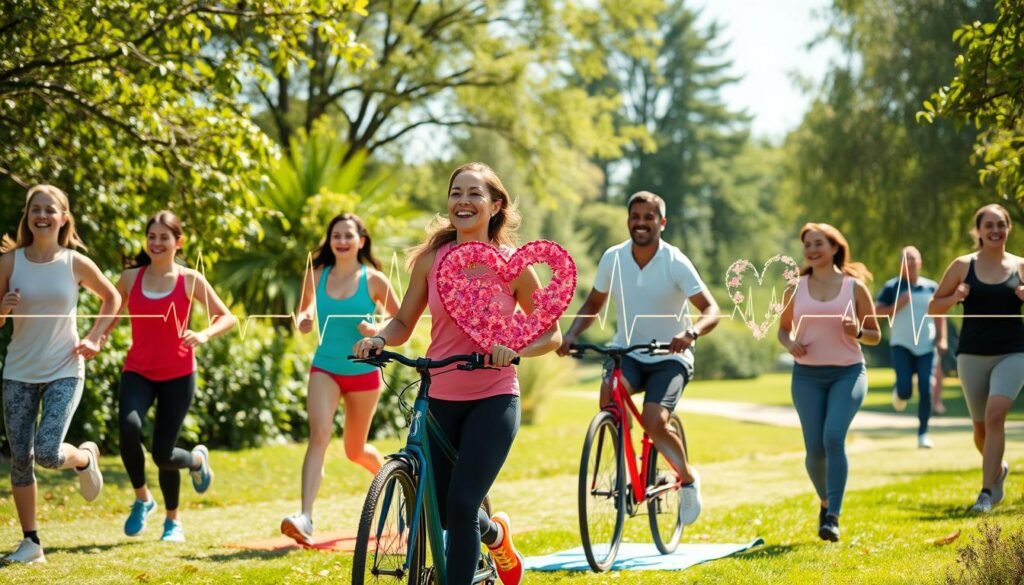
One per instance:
(173, 531)
(202, 478)
(136, 521)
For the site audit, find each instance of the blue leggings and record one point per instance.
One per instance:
(826, 399)
(906, 365)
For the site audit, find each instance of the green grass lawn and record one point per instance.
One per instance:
(900, 499)
(773, 388)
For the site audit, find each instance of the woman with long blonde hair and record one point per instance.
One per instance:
(40, 275)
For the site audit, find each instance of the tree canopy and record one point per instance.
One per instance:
(131, 105)
(987, 92)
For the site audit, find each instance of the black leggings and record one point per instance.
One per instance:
(173, 400)
(481, 431)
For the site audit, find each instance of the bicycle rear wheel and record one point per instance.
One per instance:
(663, 507)
(385, 531)
(602, 505)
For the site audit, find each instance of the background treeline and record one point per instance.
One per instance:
(257, 122)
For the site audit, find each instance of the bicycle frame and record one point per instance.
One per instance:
(417, 452)
(620, 406)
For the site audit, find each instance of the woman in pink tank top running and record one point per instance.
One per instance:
(478, 414)
(161, 368)
(825, 319)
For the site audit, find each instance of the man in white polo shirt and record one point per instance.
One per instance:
(654, 283)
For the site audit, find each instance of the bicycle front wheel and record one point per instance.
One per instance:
(385, 531)
(602, 504)
(663, 504)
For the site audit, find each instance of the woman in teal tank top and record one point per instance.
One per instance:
(341, 293)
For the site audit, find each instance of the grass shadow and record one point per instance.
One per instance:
(242, 555)
(91, 548)
(765, 551)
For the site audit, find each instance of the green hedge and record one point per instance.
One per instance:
(730, 352)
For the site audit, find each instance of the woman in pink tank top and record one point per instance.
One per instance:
(479, 413)
(825, 319)
(160, 368)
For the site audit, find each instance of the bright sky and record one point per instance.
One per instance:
(768, 45)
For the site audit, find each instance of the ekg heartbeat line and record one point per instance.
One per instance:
(744, 310)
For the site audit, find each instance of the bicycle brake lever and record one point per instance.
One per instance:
(471, 367)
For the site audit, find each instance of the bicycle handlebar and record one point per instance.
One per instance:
(578, 349)
(470, 361)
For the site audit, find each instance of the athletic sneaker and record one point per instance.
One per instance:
(298, 527)
(172, 531)
(28, 552)
(202, 478)
(508, 560)
(689, 500)
(997, 489)
(898, 404)
(924, 441)
(90, 480)
(983, 503)
(829, 529)
(136, 521)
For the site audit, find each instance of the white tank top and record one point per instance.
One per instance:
(45, 321)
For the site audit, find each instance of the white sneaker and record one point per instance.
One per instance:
(298, 527)
(983, 504)
(689, 500)
(90, 479)
(997, 488)
(924, 442)
(28, 552)
(898, 404)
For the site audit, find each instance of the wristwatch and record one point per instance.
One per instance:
(692, 333)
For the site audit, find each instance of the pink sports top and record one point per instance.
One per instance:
(819, 326)
(446, 338)
(157, 352)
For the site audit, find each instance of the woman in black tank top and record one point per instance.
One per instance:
(990, 356)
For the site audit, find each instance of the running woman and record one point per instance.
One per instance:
(990, 354)
(160, 367)
(40, 275)
(344, 288)
(825, 320)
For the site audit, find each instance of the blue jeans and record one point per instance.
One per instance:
(826, 399)
(906, 365)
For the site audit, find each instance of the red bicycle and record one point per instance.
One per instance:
(606, 494)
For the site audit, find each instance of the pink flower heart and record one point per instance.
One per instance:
(468, 299)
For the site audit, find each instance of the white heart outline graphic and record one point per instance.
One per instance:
(734, 280)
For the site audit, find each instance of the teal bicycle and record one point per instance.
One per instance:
(400, 539)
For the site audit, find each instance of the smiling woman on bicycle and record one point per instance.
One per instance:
(477, 411)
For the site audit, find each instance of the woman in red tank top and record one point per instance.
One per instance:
(160, 367)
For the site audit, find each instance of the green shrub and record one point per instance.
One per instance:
(251, 389)
(990, 557)
(538, 378)
(732, 352)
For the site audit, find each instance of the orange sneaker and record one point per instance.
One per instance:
(507, 559)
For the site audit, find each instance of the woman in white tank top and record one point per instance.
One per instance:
(40, 274)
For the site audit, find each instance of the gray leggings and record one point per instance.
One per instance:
(826, 399)
(982, 376)
(21, 407)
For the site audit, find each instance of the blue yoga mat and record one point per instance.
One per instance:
(640, 557)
